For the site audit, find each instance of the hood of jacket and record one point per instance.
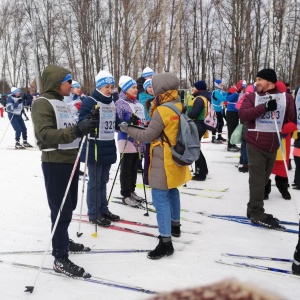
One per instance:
(164, 82)
(51, 81)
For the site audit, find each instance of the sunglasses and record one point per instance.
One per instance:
(70, 81)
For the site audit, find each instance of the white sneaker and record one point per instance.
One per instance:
(136, 197)
(130, 201)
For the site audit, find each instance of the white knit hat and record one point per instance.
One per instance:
(147, 72)
(126, 83)
(14, 90)
(75, 84)
(147, 83)
(103, 78)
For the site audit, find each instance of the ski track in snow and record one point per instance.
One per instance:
(25, 225)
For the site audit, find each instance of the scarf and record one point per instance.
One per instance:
(163, 98)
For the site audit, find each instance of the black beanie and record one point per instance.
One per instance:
(200, 85)
(267, 74)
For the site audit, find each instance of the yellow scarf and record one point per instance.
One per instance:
(163, 98)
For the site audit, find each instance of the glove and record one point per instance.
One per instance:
(239, 85)
(232, 90)
(20, 100)
(78, 105)
(271, 105)
(94, 114)
(123, 126)
(134, 120)
(85, 127)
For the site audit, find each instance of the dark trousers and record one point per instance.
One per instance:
(57, 176)
(18, 125)
(260, 165)
(146, 163)
(128, 173)
(232, 118)
(220, 123)
(297, 171)
(201, 169)
(244, 156)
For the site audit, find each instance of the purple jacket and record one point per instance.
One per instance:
(265, 141)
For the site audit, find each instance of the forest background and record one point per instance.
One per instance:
(196, 39)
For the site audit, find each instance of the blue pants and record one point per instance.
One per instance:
(98, 186)
(57, 176)
(167, 205)
(18, 125)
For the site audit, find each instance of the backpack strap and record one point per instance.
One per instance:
(177, 111)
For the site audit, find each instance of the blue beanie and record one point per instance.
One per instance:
(67, 78)
(200, 85)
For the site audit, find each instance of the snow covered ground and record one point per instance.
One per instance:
(25, 225)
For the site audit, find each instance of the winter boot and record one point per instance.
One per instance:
(131, 202)
(19, 146)
(282, 185)
(175, 229)
(111, 217)
(243, 169)
(214, 140)
(220, 138)
(296, 263)
(101, 221)
(164, 248)
(26, 144)
(269, 221)
(267, 190)
(66, 267)
(77, 248)
(136, 197)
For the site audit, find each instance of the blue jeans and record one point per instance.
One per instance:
(102, 179)
(167, 205)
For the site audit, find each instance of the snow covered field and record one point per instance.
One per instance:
(25, 225)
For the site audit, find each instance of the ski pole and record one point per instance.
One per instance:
(6, 129)
(140, 158)
(31, 288)
(79, 234)
(121, 157)
(95, 234)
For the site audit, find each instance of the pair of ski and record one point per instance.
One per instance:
(134, 231)
(246, 221)
(93, 279)
(142, 224)
(258, 267)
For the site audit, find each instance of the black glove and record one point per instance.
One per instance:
(94, 114)
(134, 120)
(20, 100)
(271, 105)
(85, 127)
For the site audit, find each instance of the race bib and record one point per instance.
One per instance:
(266, 122)
(138, 109)
(107, 121)
(64, 119)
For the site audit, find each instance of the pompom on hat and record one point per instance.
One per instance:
(218, 84)
(200, 85)
(147, 72)
(147, 83)
(14, 90)
(126, 83)
(103, 78)
(267, 74)
(75, 85)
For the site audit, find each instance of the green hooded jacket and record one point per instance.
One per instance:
(44, 120)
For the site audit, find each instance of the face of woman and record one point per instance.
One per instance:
(150, 90)
(133, 91)
(107, 89)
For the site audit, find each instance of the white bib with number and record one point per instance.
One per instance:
(64, 119)
(266, 123)
(138, 109)
(107, 121)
